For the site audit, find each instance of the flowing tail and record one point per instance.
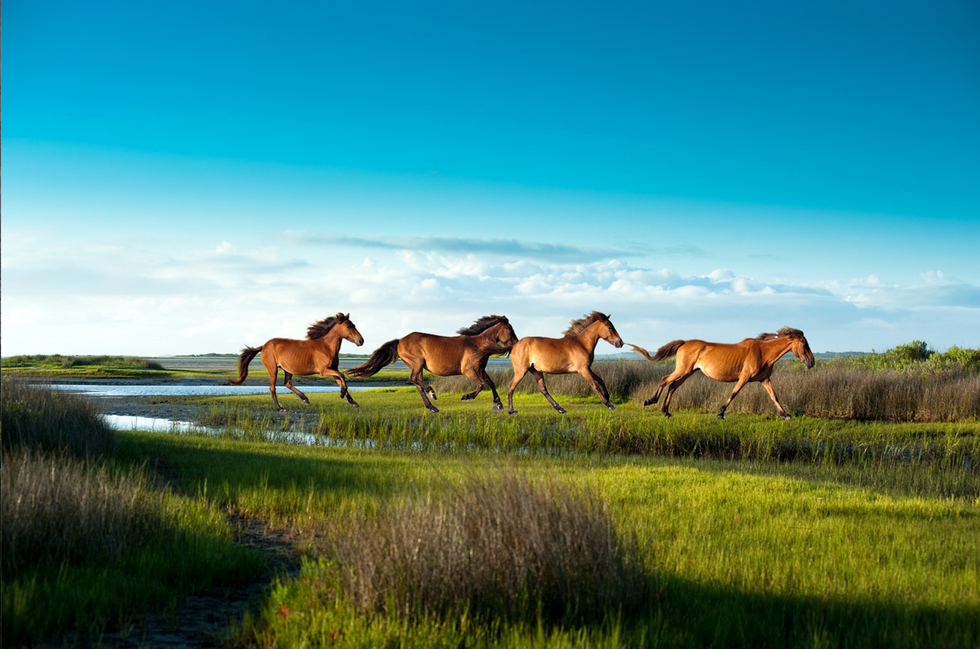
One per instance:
(668, 350)
(382, 356)
(248, 353)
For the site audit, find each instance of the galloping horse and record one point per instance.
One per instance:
(750, 360)
(573, 353)
(318, 354)
(465, 354)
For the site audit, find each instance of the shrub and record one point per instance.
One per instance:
(503, 546)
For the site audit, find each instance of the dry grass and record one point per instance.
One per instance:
(832, 389)
(493, 546)
(61, 509)
(49, 421)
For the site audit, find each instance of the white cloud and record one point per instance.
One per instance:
(150, 300)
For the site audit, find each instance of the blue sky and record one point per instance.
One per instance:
(192, 177)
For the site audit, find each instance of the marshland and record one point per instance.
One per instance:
(856, 523)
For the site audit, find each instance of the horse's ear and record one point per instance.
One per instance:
(347, 317)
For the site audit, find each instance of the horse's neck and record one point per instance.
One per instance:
(776, 349)
(590, 337)
(487, 340)
(331, 341)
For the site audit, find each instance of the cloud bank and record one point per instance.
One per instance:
(222, 296)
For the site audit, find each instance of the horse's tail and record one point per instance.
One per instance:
(668, 350)
(248, 353)
(641, 351)
(382, 356)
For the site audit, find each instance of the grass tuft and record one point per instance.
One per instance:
(49, 421)
(494, 547)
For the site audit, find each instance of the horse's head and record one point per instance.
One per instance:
(349, 332)
(506, 337)
(609, 333)
(801, 348)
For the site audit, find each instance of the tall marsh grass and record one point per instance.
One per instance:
(49, 421)
(58, 510)
(502, 546)
(842, 388)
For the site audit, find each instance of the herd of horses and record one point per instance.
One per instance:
(468, 352)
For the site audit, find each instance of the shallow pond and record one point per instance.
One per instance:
(189, 390)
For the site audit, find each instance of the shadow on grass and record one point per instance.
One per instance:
(218, 469)
(697, 615)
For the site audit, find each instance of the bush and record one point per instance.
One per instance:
(503, 546)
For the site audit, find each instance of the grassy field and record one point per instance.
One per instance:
(747, 532)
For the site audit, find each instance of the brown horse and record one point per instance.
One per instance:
(318, 354)
(465, 354)
(750, 360)
(573, 353)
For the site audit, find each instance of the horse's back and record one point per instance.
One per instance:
(723, 362)
(550, 355)
(297, 356)
(443, 355)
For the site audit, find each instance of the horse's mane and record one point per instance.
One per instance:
(482, 325)
(580, 325)
(322, 328)
(785, 331)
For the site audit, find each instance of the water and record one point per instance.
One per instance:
(160, 425)
(172, 390)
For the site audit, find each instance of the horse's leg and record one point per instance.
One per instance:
(539, 377)
(474, 374)
(342, 383)
(767, 384)
(498, 406)
(599, 386)
(660, 388)
(420, 385)
(519, 373)
(670, 393)
(664, 382)
(272, 367)
(288, 382)
(738, 386)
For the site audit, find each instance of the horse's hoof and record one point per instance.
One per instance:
(498, 407)
(466, 397)
(561, 411)
(355, 404)
(433, 409)
(667, 415)
(721, 415)
(281, 412)
(610, 406)
(511, 412)
(786, 417)
(649, 402)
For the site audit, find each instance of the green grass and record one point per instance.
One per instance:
(742, 554)
(745, 537)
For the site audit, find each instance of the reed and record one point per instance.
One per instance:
(49, 421)
(60, 510)
(496, 546)
(847, 389)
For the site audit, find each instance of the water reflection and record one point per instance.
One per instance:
(167, 390)
(160, 425)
